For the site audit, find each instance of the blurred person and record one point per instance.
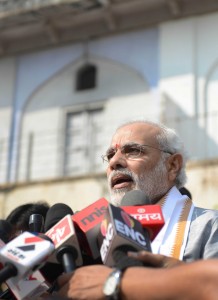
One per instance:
(19, 217)
(6, 230)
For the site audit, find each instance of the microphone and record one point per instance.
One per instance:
(36, 226)
(24, 254)
(55, 213)
(36, 223)
(87, 223)
(135, 198)
(138, 205)
(33, 285)
(120, 233)
(7, 294)
(63, 235)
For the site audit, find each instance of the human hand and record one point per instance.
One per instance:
(84, 283)
(155, 260)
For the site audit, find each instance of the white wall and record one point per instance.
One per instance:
(7, 89)
(7, 86)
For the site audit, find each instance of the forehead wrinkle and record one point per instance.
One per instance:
(137, 133)
(122, 137)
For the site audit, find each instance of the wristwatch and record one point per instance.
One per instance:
(111, 288)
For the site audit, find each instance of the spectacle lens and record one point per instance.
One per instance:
(130, 151)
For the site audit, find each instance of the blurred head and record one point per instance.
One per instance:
(6, 230)
(145, 156)
(19, 217)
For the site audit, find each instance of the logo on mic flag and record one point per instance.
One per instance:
(117, 229)
(103, 227)
(32, 241)
(61, 231)
(150, 216)
(127, 219)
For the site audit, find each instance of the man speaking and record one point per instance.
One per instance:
(150, 157)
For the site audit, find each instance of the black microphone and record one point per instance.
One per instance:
(36, 223)
(55, 213)
(63, 235)
(135, 198)
(7, 294)
(8, 271)
(51, 270)
(22, 288)
(21, 258)
(120, 233)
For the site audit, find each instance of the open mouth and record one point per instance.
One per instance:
(121, 181)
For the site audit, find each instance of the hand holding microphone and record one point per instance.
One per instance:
(155, 260)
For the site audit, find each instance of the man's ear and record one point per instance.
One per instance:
(174, 164)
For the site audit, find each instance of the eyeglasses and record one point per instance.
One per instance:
(130, 151)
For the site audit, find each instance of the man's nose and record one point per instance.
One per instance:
(118, 160)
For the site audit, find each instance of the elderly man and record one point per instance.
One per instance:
(150, 157)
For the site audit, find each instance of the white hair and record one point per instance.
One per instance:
(170, 142)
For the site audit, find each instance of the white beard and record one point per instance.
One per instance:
(153, 183)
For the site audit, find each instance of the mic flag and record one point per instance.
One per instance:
(87, 223)
(26, 253)
(119, 229)
(65, 240)
(150, 216)
(137, 204)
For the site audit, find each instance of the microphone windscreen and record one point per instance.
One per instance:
(135, 198)
(55, 213)
(36, 223)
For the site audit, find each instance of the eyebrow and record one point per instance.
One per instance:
(109, 150)
(127, 144)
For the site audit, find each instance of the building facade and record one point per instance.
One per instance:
(60, 105)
